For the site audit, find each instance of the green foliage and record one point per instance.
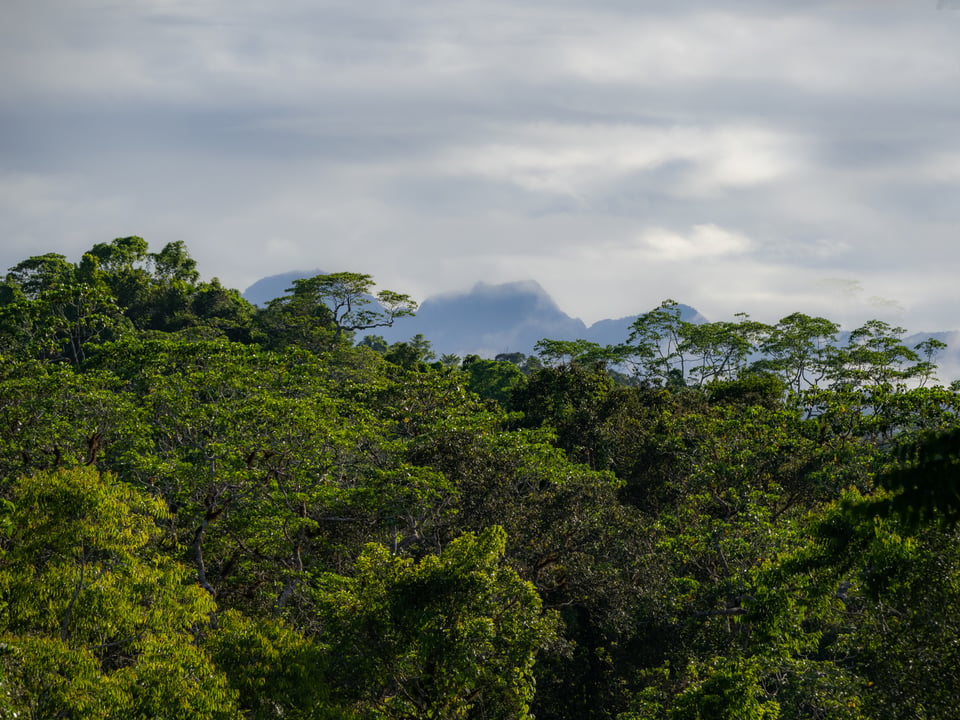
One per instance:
(172, 680)
(925, 483)
(571, 400)
(52, 309)
(40, 273)
(411, 355)
(450, 636)
(85, 590)
(60, 320)
(52, 415)
(725, 690)
(492, 379)
(342, 302)
(855, 613)
(210, 510)
(43, 677)
(579, 352)
(278, 672)
(796, 349)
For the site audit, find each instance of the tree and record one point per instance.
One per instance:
(411, 354)
(656, 343)
(55, 415)
(61, 321)
(796, 349)
(450, 636)
(321, 312)
(580, 352)
(874, 356)
(276, 465)
(83, 588)
(376, 343)
(39, 273)
(278, 672)
(493, 380)
(720, 349)
(53, 309)
(924, 485)
(121, 266)
(121, 255)
(222, 309)
(174, 264)
(570, 400)
(349, 298)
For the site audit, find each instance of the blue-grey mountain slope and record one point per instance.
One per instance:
(486, 320)
(512, 317)
(266, 289)
(489, 319)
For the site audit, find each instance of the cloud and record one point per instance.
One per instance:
(703, 242)
(582, 160)
(886, 306)
(731, 154)
(844, 287)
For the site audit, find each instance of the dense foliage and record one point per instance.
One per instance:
(213, 510)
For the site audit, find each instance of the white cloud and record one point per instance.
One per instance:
(578, 160)
(729, 154)
(703, 242)
(824, 49)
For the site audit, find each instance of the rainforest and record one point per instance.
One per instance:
(210, 509)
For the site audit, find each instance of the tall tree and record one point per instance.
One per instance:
(452, 636)
(94, 621)
(340, 302)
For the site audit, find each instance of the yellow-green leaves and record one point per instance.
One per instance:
(449, 636)
(84, 589)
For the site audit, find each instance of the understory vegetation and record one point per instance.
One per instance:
(214, 510)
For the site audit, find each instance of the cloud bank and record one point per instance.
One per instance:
(751, 156)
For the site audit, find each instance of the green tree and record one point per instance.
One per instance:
(40, 273)
(450, 636)
(56, 415)
(796, 349)
(84, 588)
(340, 302)
(173, 263)
(874, 356)
(492, 379)
(278, 672)
(56, 316)
(411, 354)
(720, 350)
(655, 345)
(571, 400)
(579, 352)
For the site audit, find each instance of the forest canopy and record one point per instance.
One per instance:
(215, 510)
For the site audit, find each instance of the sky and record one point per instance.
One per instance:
(757, 156)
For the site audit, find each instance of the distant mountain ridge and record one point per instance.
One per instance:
(266, 289)
(511, 317)
(486, 320)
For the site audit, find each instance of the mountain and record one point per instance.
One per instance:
(613, 332)
(489, 319)
(509, 317)
(266, 289)
(486, 320)
(512, 317)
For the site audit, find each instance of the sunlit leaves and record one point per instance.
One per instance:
(453, 635)
(85, 589)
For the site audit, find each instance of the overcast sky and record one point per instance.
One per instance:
(762, 156)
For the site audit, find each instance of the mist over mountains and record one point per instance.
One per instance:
(508, 317)
(511, 317)
(486, 320)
